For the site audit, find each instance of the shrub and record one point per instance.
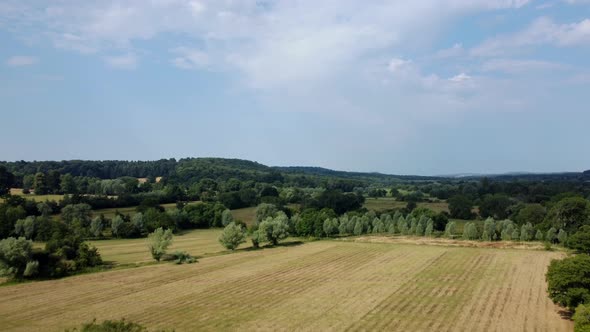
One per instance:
(232, 236)
(111, 326)
(181, 257)
(582, 319)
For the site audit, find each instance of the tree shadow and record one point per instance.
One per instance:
(565, 314)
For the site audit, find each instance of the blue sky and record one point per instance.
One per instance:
(402, 87)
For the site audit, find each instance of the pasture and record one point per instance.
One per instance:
(323, 285)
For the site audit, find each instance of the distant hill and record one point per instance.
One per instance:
(189, 170)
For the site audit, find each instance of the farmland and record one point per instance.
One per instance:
(129, 251)
(387, 203)
(323, 285)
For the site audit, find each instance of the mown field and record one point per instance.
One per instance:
(387, 203)
(129, 251)
(323, 285)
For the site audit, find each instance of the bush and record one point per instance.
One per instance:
(582, 319)
(181, 257)
(111, 326)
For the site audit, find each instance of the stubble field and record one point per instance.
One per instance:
(324, 285)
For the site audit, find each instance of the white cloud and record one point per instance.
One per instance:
(126, 61)
(543, 31)
(271, 43)
(462, 77)
(21, 60)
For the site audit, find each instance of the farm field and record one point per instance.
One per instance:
(323, 285)
(386, 203)
(130, 251)
(36, 198)
(111, 212)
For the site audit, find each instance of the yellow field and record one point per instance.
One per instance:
(128, 251)
(323, 285)
(386, 203)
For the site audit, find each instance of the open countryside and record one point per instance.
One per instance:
(279, 165)
(326, 285)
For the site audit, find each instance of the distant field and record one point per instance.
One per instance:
(36, 198)
(247, 215)
(129, 251)
(386, 203)
(111, 212)
(323, 285)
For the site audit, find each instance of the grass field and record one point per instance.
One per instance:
(36, 198)
(387, 203)
(111, 212)
(247, 215)
(323, 285)
(128, 251)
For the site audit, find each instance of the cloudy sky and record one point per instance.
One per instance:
(403, 87)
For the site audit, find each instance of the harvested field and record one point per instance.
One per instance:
(324, 285)
(129, 251)
(387, 203)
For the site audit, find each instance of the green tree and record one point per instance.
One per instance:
(562, 236)
(580, 240)
(568, 281)
(495, 206)
(460, 207)
(331, 226)
(569, 214)
(16, 258)
(158, 242)
(265, 210)
(532, 213)
(232, 236)
(117, 224)
(489, 230)
(539, 235)
(526, 232)
(6, 180)
(96, 227)
(451, 229)
(429, 228)
(470, 232)
(68, 184)
(41, 187)
(551, 235)
(226, 217)
(274, 229)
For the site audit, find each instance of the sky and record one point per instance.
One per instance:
(401, 87)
